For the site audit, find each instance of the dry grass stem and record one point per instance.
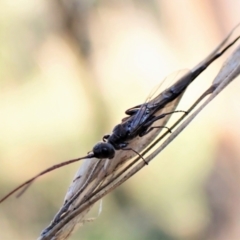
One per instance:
(96, 178)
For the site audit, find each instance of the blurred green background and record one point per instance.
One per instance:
(69, 70)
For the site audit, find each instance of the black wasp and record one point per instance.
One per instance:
(140, 118)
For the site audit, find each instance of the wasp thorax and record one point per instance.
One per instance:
(104, 150)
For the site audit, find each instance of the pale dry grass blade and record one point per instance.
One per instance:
(229, 71)
(96, 178)
(89, 178)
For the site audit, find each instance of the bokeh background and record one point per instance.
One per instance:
(69, 70)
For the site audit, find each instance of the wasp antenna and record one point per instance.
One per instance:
(27, 184)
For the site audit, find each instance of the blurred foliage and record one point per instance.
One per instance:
(69, 70)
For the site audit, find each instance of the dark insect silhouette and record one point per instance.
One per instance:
(140, 118)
